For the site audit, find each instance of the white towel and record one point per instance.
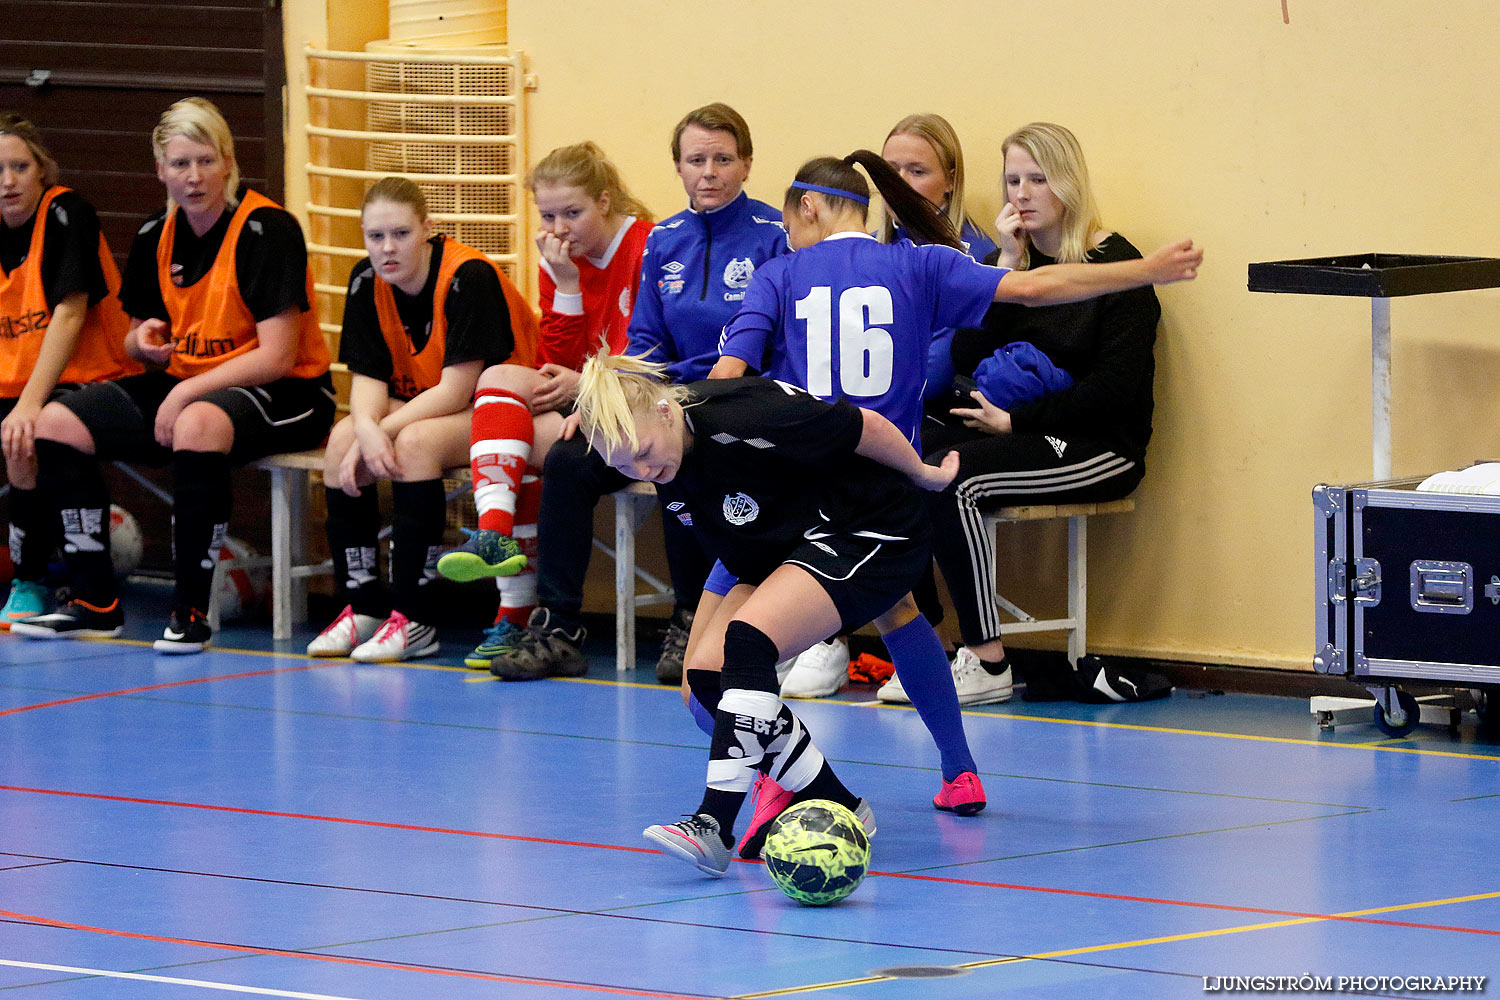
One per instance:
(1482, 479)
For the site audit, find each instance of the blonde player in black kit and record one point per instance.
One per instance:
(820, 506)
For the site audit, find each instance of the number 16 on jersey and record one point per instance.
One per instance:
(866, 352)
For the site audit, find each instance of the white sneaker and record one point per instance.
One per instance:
(783, 668)
(820, 671)
(346, 631)
(976, 685)
(398, 638)
(892, 693)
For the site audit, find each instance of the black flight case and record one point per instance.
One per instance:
(1408, 596)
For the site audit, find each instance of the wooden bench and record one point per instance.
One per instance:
(289, 569)
(1076, 622)
(632, 504)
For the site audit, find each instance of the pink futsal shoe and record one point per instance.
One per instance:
(398, 638)
(768, 800)
(963, 795)
(344, 634)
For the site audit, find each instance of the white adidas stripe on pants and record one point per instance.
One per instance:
(989, 490)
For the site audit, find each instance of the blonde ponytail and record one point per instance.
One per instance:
(614, 390)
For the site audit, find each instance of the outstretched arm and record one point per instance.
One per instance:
(1059, 283)
(883, 443)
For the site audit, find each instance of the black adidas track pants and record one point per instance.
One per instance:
(1008, 470)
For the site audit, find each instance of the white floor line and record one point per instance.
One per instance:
(203, 983)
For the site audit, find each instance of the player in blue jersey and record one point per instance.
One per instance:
(850, 318)
(924, 150)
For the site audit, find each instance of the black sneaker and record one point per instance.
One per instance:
(187, 632)
(674, 648)
(74, 620)
(547, 649)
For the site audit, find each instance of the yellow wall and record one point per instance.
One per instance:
(1346, 128)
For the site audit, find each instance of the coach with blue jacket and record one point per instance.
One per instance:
(694, 274)
(699, 262)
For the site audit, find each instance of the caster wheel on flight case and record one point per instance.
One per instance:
(1403, 719)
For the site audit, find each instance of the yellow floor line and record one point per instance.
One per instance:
(1290, 741)
(1119, 945)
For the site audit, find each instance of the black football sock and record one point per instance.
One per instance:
(353, 534)
(826, 785)
(795, 763)
(29, 534)
(744, 728)
(416, 542)
(72, 484)
(201, 504)
(996, 667)
(751, 725)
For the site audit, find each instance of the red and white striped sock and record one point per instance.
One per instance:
(499, 445)
(518, 593)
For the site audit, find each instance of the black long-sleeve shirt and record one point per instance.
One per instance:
(1104, 343)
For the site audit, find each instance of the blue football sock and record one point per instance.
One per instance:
(703, 698)
(928, 682)
(701, 715)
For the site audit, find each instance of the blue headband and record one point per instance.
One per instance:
(836, 192)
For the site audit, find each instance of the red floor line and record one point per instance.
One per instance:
(646, 850)
(170, 684)
(345, 960)
(329, 819)
(1188, 903)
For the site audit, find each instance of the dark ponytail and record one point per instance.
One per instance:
(924, 221)
(826, 174)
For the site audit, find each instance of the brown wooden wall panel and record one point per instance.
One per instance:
(114, 67)
(102, 140)
(137, 24)
(104, 110)
(242, 65)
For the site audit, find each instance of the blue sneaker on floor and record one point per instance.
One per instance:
(499, 639)
(26, 600)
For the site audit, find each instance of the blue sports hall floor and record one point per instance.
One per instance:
(256, 823)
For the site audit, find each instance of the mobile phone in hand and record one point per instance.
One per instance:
(962, 386)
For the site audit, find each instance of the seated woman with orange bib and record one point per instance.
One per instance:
(218, 293)
(60, 326)
(424, 316)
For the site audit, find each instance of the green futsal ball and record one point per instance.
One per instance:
(817, 852)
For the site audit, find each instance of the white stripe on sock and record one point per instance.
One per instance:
(500, 446)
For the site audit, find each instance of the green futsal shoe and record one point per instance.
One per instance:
(485, 553)
(499, 639)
